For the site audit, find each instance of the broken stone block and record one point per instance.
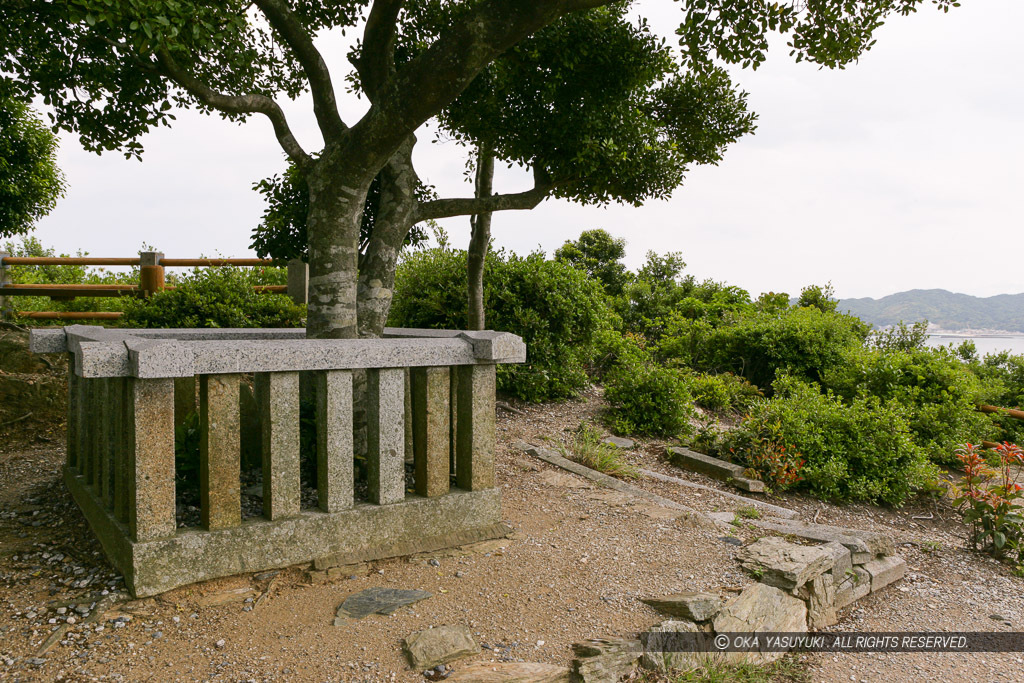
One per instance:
(782, 564)
(759, 609)
(604, 659)
(677, 644)
(686, 459)
(511, 672)
(855, 585)
(692, 606)
(841, 560)
(619, 442)
(439, 645)
(863, 545)
(885, 570)
(820, 595)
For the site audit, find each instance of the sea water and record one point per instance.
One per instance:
(985, 343)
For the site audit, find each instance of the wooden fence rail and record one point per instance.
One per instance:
(152, 279)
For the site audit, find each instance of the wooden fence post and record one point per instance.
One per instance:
(151, 273)
(5, 310)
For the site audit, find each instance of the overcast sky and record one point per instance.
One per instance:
(902, 171)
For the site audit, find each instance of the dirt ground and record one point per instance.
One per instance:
(575, 567)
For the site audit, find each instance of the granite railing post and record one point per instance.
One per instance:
(334, 455)
(220, 451)
(474, 460)
(385, 435)
(277, 395)
(151, 458)
(431, 416)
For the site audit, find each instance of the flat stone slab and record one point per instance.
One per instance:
(714, 468)
(863, 545)
(768, 509)
(761, 609)
(885, 570)
(510, 672)
(439, 645)
(782, 564)
(693, 606)
(619, 442)
(377, 601)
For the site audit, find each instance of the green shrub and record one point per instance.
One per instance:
(214, 297)
(556, 308)
(721, 392)
(805, 342)
(938, 392)
(862, 451)
(660, 293)
(649, 399)
(613, 349)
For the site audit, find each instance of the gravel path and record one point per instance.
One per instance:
(579, 559)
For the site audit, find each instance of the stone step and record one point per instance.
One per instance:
(713, 467)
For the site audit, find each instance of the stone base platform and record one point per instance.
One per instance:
(365, 532)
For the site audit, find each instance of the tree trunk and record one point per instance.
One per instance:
(335, 213)
(480, 239)
(393, 222)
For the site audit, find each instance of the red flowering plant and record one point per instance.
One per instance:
(774, 463)
(990, 500)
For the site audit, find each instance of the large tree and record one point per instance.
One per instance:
(30, 181)
(113, 69)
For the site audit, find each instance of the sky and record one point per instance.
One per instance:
(900, 172)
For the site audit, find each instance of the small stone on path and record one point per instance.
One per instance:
(619, 442)
(439, 645)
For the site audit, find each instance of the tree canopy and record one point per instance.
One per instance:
(30, 181)
(111, 70)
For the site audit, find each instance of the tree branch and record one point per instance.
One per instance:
(325, 105)
(377, 58)
(428, 83)
(468, 206)
(236, 104)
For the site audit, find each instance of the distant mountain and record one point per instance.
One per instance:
(945, 310)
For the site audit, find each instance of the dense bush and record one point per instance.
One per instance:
(862, 451)
(648, 399)
(556, 308)
(721, 392)
(660, 293)
(214, 297)
(805, 342)
(938, 392)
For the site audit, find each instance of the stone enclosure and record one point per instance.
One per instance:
(429, 401)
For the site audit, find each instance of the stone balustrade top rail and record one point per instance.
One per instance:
(158, 353)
